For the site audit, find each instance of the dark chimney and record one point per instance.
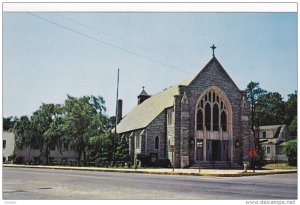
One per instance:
(119, 114)
(143, 96)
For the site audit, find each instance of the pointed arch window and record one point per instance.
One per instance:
(156, 142)
(207, 116)
(200, 120)
(224, 121)
(211, 113)
(216, 117)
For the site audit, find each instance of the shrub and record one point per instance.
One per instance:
(19, 160)
(144, 159)
(164, 162)
(129, 164)
(290, 149)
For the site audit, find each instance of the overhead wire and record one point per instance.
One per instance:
(121, 39)
(107, 43)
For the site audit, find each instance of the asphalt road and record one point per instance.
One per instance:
(25, 183)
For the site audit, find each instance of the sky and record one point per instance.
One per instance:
(49, 55)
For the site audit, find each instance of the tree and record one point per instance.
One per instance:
(291, 114)
(100, 148)
(8, 123)
(290, 150)
(84, 118)
(253, 93)
(122, 151)
(23, 133)
(46, 124)
(270, 109)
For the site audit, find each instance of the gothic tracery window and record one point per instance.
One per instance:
(211, 113)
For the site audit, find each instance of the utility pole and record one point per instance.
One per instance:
(115, 134)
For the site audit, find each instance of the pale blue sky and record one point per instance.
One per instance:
(44, 61)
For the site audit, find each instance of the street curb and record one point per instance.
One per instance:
(241, 174)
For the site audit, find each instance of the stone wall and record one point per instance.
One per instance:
(170, 132)
(212, 75)
(157, 128)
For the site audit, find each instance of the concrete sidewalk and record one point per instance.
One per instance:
(194, 172)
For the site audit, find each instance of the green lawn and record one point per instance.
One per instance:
(279, 166)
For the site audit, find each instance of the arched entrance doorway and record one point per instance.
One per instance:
(213, 126)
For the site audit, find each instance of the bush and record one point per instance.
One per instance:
(144, 159)
(290, 149)
(19, 160)
(164, 163)
(129, 164)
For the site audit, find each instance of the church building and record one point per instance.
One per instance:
(203, 121)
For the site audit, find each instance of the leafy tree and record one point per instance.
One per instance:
(46, 126)
(291, 113)
(8, 123)
(84, 118)
(23, 133)
(122, 151)
(290, 150)
(292, 127)
(253, 94)
(270, 109)
(100, 147)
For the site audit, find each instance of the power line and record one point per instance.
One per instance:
(122, 39)
(107, 43)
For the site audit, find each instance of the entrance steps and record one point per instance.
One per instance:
(215, 165)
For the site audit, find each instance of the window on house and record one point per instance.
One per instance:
(137, 142)
(268, 150)
(264, 134)
(156, 142)
(169, 116)
(4, 144)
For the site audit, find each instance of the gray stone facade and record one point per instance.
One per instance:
(176, 125)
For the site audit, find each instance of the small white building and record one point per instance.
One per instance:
(8, 146)
(272, 138)
(28, 154)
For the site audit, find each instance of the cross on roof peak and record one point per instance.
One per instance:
(213, 47)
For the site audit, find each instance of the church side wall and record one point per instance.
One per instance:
(157, 128)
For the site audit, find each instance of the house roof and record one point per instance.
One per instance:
(269, 127)
(141, 115)
(277, 137)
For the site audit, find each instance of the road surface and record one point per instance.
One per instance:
(27, 183)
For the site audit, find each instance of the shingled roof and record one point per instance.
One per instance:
(141, 115)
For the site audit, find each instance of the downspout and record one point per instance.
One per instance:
(166, 134)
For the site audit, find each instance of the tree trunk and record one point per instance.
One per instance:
(84, 157)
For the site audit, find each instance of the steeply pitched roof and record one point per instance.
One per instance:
(143, 93)
(141, 115)
(269, 127)
(214, 59)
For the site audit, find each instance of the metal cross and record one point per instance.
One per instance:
(213, 47)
